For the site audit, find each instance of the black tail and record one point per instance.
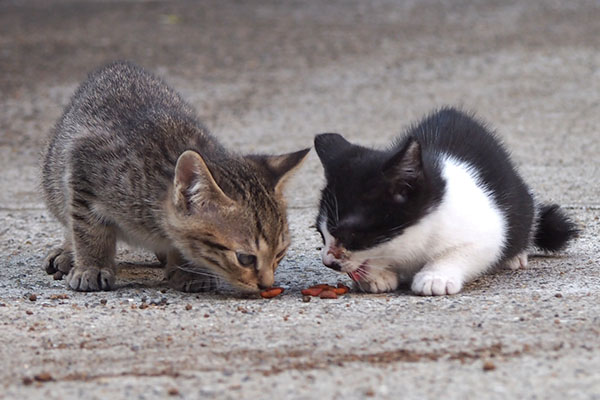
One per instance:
(554, 229)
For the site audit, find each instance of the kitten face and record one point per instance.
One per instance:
(370, 198)
(240, 236)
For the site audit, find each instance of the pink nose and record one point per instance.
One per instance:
(335, 251)
(332, 256)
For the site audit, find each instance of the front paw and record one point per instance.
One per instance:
(380, 282)
(91, 279)
(190, 282)
(58, 262)
(428, 283)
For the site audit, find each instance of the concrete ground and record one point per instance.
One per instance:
(266, 76)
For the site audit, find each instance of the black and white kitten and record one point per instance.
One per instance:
(441, 206)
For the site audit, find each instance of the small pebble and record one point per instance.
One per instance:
(188, 307)
(489, 366)
(173, 391)
(306, 299)
(43, 377)
(32, 297)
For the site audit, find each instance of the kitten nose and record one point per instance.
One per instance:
(333, 265)
(263, 286)
(335, 251)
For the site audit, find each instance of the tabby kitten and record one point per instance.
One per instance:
(130, 161)
(439, 207)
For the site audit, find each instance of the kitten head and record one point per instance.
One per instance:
(370, 198)
(230, 216)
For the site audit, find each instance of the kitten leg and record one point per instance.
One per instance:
(519, 261)
(59, 261)
(447, 274)
(94, 247)
(185, 280)
(378, 281)
(162, 258)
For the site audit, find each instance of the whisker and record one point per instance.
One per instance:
(193, 269)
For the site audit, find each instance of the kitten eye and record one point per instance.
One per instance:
(247, 260)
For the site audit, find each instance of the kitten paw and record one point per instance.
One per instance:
(435, 284)
(58, 262)
(379, 282)
(519, 261)
(91, 279)
(190, 282)
(162, 258)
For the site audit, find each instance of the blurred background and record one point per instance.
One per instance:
(267, 75)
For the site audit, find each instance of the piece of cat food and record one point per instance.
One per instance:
(317, 290)
(312, 291)
(272, 292)
(321, 286)
(340, 290)
(328, 294)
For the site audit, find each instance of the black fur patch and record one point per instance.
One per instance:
(364, 204)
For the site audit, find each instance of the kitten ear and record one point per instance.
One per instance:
(404, 168)
(329, 145)
(194, 183)
(280, 168)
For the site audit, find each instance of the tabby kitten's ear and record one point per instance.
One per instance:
(194, 184)
(329, 146)
(278, 169)
(404, 170)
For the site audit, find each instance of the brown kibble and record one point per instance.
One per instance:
(59, 297)
(558, 295)
(489, 366)
(317, 290)
(306, 299)
(323, 286)
(143, 306)
(272, 292)
(173, 391)
(188, 307)
(28, 312)
(312, 291)
(340, 290)
(206, 315)
(328, 294)
(43, 377)
(27, 381)
(103, 301)
(32, 297)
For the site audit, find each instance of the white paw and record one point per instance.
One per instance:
(519, 261)
(428, 283)
(379, 282)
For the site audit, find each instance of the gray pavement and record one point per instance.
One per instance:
(266, 76)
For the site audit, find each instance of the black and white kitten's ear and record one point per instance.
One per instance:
(278, 169)
(329, 146)
(404, 169)
(194, 184)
